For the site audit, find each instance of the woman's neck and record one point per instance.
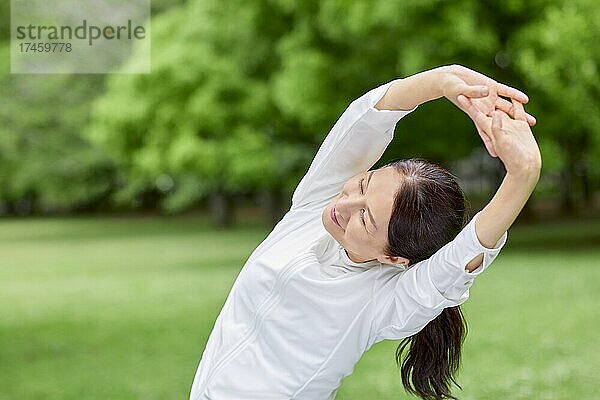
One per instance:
(355, 258)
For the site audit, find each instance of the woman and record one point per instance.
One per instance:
(363, 256)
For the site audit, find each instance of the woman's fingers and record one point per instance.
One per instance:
(482, 123)
(511, 92)
(507, 107)
(519, 110)
(473, 112)
(472, 76)
(475, 91)
(496, 122)
(489, 145)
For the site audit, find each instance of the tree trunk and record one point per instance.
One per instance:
(567, 202)
(586, 185)
(575, 173)
(272, 202)
(583, 171)
(567, 189)
(221, 209)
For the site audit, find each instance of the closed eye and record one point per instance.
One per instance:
(362, 215)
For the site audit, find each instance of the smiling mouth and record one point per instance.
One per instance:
(334, 217)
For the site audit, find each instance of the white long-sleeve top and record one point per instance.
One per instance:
(301, 313)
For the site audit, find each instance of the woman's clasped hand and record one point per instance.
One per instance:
(502, 124)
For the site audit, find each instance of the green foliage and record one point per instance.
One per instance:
(558, 57)
(236, 86)
(43, 157)
(204, 116)
(46, 163)
(241, 95)
(4, 21)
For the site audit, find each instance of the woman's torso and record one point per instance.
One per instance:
(296, 321)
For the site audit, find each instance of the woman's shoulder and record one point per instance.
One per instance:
(293, 235)
(298, 224)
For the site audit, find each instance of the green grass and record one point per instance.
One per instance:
(120, 308)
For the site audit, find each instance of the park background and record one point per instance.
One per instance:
(129, 203)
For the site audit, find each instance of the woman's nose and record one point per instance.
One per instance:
(348, 205)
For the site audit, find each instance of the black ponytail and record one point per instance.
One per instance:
(429, 210)
(433, 356)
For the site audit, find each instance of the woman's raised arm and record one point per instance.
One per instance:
(511, 140)
(366, 127)
(409, 92)
(363, 132)
(516, 146)
(354, 144)
(451, 81)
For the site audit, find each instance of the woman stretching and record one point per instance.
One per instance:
(366, 255)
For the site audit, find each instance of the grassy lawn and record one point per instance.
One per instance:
(120, 308)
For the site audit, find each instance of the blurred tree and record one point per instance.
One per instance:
(367, 43)
(235, 94)
(46, 164)
(4, 21)
(204, 117)
(558, 56)
(158, 6)
(243, 94)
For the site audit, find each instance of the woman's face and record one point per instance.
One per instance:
(363, 210)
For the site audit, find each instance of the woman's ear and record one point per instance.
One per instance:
(395, 260)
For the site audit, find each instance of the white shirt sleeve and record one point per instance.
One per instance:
(425, 289)
(355, 143)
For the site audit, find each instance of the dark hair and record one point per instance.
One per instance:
(429, 210)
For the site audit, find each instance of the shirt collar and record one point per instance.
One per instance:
(347, 261)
